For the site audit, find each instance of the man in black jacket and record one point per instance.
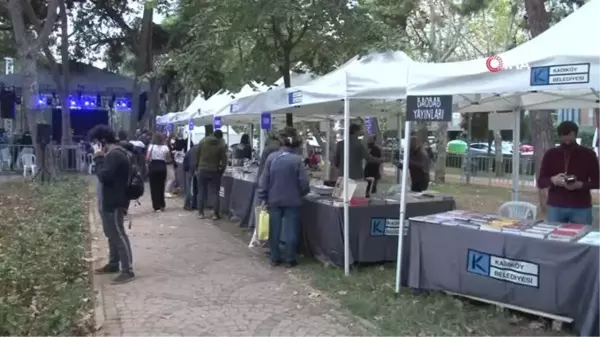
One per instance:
(190, 163)
(113, 169)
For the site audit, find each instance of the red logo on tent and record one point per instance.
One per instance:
(494, 64)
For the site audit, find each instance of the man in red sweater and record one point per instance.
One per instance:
(569, 171)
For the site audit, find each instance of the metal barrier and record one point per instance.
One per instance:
(59, 159)
(489, 170)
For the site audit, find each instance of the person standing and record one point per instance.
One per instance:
(212, 161)
(418, 166)
(244, 148)
(282, 185)
(569, 172)
(358, 153)
(373, 169)
(158, 156)
(189, 166)
(113, 171)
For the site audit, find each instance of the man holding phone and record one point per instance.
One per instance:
(569, 172)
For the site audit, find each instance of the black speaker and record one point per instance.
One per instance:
(44, 134)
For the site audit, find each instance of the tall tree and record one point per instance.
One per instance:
(29, 46)
(435, 28)
(274, 37)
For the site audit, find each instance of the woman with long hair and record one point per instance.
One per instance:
(158, 156)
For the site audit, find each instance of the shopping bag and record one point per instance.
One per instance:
(262, 223)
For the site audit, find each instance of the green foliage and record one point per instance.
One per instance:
(44, 286)
(266, 39)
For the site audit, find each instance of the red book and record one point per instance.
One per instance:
(563, 232)
(572, 227)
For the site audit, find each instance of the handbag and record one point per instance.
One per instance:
(262, 223)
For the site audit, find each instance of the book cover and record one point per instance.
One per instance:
(591, 238)
(490, 228)
(563, 235)
(573, 227)
(534, 235)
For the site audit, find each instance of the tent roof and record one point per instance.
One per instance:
(375, 81)
(563, 46)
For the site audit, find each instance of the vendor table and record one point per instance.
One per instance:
(373, 228)
(241, 199)
(559, 278)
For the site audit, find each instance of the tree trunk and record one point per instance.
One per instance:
(498, 153)
(66, 138)
(440, 162)
(144, 64)
(542, 129)
(287, 81)
(538, 20)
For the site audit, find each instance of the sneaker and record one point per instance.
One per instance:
(107, 269)
(276, 263)
(124, 277)
(200, 216)
(216, 217)
(291, 264)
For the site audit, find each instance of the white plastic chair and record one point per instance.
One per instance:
(91, 164)
(28, 161)
(518, 210)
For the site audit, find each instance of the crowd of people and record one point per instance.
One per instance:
(282, 183)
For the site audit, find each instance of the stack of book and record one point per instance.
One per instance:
(539, 230)
(568, 232)
(591, 238)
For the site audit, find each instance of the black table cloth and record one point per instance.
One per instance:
(559, 278)
(373, 228)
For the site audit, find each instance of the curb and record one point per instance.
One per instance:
(99, 316)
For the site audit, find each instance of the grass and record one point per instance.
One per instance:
(44, 284)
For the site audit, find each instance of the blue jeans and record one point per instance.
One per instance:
(581, 216)
(288, 220)
(191, 193)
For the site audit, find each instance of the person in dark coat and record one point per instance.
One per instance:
(244, 149)
(373, 169)
(190, 162)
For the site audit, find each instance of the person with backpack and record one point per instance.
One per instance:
(115, 174)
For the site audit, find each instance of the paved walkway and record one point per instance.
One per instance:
(195, 279)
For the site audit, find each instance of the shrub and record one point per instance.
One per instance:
(44, 282)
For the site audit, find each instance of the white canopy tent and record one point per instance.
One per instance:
(557, 69)
(564, 58)
(372, 85)
(223, 101)
(375, 83)
(194, 107)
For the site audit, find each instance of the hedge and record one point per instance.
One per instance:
(44, 277)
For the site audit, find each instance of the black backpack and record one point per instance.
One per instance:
(135, 189)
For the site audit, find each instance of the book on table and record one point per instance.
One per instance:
(564, 235)
(591, 238)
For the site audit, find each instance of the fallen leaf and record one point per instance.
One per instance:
(342, 292)
(295, 292)
(313, 295)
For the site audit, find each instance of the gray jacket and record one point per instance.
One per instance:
(284, 180)
(358, 153)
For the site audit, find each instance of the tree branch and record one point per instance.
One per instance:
(28, 9)
(301, 34)
(46, 30)
(4, 4)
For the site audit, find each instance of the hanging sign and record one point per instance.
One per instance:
(436, 108)
(560, 74)
(191, 124)
(217, 123)
(368, 126)
(295, 97)
(265, 121)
